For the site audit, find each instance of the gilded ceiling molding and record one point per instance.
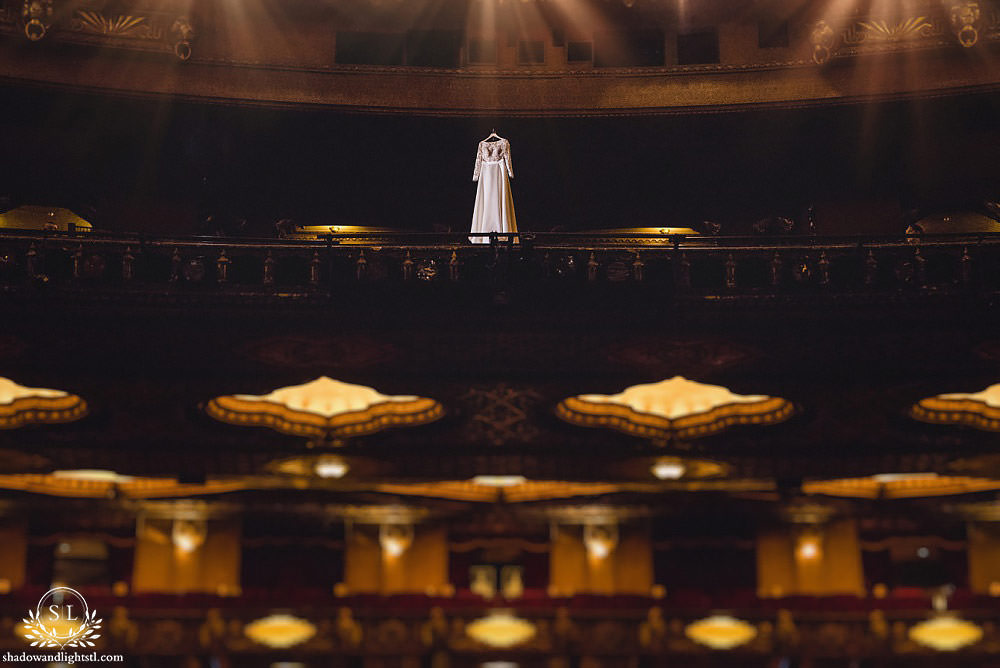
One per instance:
(978, 409)
(674, 408)
(529, 490)
(325, 408)
(20, 405)
(94, 484)
(900, 486)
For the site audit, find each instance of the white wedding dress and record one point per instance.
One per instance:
(494, 210)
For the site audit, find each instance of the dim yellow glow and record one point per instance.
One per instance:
(280, 631)
(499, 480)
(20, 405)
(669, 468)
(900, 486)
(324, 407)
(395, 539)
(674, 407)
(946, 634)
(976, 409)
(331, 467)
(600, 539)
(93, 475)
(721, 632)
(501, 628)
(808, 549)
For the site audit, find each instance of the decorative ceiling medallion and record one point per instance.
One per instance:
(470, 490)
(900, 486)
(946, 634)
(674, 408)
(280, 631)
(325, 408)
(21, 405)
(97, 484)
(978, 409)
(500, 628)
(721, 632)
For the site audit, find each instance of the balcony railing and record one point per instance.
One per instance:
(683, 267)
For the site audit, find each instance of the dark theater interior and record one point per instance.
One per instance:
(285, 382)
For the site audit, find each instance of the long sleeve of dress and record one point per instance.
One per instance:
(506, 159)
(479, 163)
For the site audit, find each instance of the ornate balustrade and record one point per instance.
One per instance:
(679, 267)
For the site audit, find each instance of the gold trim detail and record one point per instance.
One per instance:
(979, 409)
(325, 408)
(674, 408)
(20, 405)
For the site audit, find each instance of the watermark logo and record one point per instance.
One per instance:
(62, 619)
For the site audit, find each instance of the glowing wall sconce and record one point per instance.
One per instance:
(324, 408)
(809, 547)
(188, 535)
(395, 539)
(501, 628)
(20, 405)
(978, 409)
(600, 539)
(674, 408)
(280, 631)
(331, 467)
(946, 633)
(721, 632)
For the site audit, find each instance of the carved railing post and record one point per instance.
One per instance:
(78, 262)
(269, 263)
(32, 261)
(314, 265)
(222, 267)
(407, 267)
(453, 266)
(638, 268)
(128, 264)
(824, 269)
(592, 267)
(919, 268)
(175, 265)
(730, 271)
(965, 267)
(871, 268)
(361, 267)
(684, 272)
(775, 270)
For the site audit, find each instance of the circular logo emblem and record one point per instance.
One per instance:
(62, 618)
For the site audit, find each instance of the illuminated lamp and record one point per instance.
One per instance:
(187, 535)
(280, 631)
(395, 538)
(721, 632)
(669, 468)
(808, 548)
(674, 408)
(946, 633)
(21, 405)
(331, 467)
(324, 408)
(900, 486)
(979, 409)
(600, 539)
(501, 628)
(499, 480)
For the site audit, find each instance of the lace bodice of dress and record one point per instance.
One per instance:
(492, 152)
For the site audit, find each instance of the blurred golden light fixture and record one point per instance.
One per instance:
(499, 480)
(674, 408)
(188, 535)
(395, 539)
(20, 405)
(501, 628)
(978, 409)
(669, 468)
(96, 484)
(491, 492)
(280, 631)
(946, 633)
(331, 467)
(721, 632)
(324, 408)
(600, 539)
(900, 486)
